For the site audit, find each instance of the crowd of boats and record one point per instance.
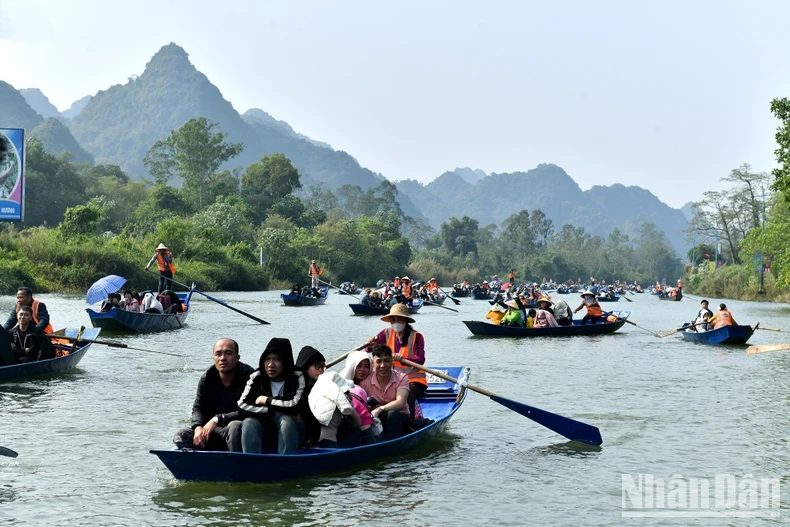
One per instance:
(527, 309)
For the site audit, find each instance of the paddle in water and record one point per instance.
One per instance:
(454, 300)
(7, 452)
(753, 350)
(629, 322)
(110, 343)
(220, 302)
(565, 426)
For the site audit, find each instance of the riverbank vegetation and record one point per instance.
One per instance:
(83, 222)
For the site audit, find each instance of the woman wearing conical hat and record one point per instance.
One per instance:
(594, 311)
(164, 262)
(405, 343)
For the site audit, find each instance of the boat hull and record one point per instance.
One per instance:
(459, 294)
(723, 335)
(479, 295)
(438, 403)
(121, 321)
(360, 309)
(301, 300)
(605, 298)
(669, 298)
(51, 366)
(577, 329)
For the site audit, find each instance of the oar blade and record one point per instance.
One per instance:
(753, 350)
(565, 426)
(7, 452)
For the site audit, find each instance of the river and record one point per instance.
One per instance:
(664, 407)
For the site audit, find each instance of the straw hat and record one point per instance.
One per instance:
(587, 293)
(406, 278)
(543, 299)
(162, 247)
(511, 303)
(398, 310)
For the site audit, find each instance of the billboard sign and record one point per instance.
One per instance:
(12, 174)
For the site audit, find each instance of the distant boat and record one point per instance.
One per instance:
(480, 294)
(671, 298)
(607, 298)
(439, 402)
(723, 335)
(361, 309)
(56, 365)
(577, 329)
(122, 321)
(301, 300)
(346, 289)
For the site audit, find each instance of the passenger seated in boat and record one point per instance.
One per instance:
(513, 317)
(563, 313)
(390, 391)
(496, 314)
(408, 343)
(312, 364)
(7, 357)
(28, 342)
(271, 401)
(703, 317)
(356, 369)
(113, 300)
(296, 289)
(722, 318)
(130, 303)
(543, 316)
(24, 297)
(175, 303)
(164, 300)
(215, 420)
(531, 318)
(330, 404)
(151, 304)
(594, 311)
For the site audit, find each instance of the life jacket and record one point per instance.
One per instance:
(163, 264)
(511, 275)
(34, 307)
(406, 290)
(414, 374)
(593, 308)
(315, 270)
(723, 318)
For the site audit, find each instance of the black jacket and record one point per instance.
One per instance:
(259, 384)
(214, 399)
(42, 315)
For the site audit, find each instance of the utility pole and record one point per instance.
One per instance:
(716, 263)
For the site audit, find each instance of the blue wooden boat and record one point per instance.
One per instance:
(122, 321)
(437, 302)
(360, 309)
(345, 289)
(52, 366)
(440, 402)
(301, 300)
(671, 298)
(723, 335)
(479, 294)
(459, 294)
(577, 329)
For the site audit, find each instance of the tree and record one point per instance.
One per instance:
(193, 152)
(268, 181)
(52, 185)
(781, 110)
(459, 236)
(518, 234)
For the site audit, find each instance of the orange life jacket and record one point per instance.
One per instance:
(315, 270)
(414, 374)
(34, 307)
(163, 265)
(593, 309)
(723, 318)
(511, 275)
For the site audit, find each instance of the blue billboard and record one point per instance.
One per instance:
(12, 174)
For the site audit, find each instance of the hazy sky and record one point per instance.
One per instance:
(669, 96)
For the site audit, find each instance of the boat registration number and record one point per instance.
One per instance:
(433, 379)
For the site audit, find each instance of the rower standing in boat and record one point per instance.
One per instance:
(314, 273)
(405, 342)
(594, 311)
(722, 318)
(164, 262)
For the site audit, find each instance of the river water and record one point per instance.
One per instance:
(664, 407)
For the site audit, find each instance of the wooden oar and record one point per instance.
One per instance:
(673, 331)
(330, 285)
(218, 301)
(455, 300)
(346, 354)
(7, 452)
(438, 305)
(570, 428)
(110, 343)
(629, 322)
(753, 350)
(768, 329)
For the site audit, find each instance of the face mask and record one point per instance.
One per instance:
(398, 326)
